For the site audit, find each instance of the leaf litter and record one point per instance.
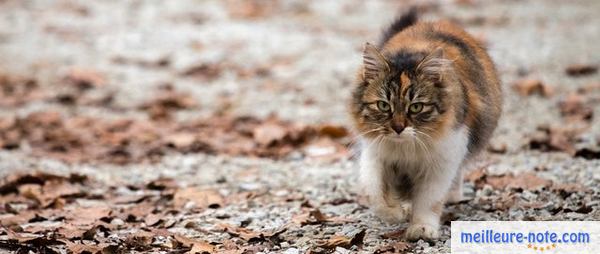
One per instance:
(124, 141)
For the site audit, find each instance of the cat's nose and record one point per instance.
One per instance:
(398, 127)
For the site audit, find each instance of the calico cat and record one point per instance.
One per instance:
(427, 100)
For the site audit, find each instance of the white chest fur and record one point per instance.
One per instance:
(426, 155)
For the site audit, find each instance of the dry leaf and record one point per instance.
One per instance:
(395, 247)
(575, 108)
(528, 87)
(555, 139)
(577, 70)
(200, 198)
(588, 154)
(197, 246)
(269, 133)
(527, 181)
(355, 237)
(315, 216)
(85, 78)
(333, 131)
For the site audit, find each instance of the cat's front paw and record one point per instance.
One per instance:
(422, 231)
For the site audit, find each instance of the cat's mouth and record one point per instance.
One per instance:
(406, 135)
(402, 137)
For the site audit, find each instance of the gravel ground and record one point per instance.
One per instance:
(301, 56)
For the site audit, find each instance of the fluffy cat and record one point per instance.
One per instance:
(427, 100)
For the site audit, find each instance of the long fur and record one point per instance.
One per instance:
(411, 161)
(400, 23)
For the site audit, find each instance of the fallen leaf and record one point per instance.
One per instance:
(250, 9)
(397, 234)
(333, 131)
(578, 70)
(247, 234)
(527, 181)
(197, 246)
(555, 139)
(528, 87)
(18, 90)
(589, 88)
(574, 108)
(588, 154)
(315, 216)
(204, 71)
(395, 247)
(269, 133)
(85, 78)
(198, 197)
(180, 140)
(356, 237)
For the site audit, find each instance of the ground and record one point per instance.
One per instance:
(238, 108)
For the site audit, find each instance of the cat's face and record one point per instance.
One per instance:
(404, 100)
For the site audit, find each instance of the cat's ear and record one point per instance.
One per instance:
(434, 65)
(373, 63)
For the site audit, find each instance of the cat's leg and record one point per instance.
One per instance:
(456, 191)
(431, 189)
(428, 202)
(381, 197)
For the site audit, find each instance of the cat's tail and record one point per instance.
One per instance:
(401, 22)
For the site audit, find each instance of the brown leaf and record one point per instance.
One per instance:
(180, 140)
(250, 9)
(333, 131)
(162, 184)
(345, 241)
(197, 246)
(85, 78)
(18, 90)
(203, 71)
(578, 70)
(528, 87)
(574, 108)
(527, 181)
(243, 233)
(568, 187)
(398, 234)
(477, 175)
(84, 248)
(555, 139)
(588, 154)
(200, 198)
(589, 88)
(315, 216)
(395, 247)
(269, 133)
(84, 216)
(325, 149)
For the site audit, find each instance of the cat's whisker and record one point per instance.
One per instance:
(358, 137)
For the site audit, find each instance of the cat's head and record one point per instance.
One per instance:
(403, 95)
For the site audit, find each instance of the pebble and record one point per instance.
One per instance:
(291, 251)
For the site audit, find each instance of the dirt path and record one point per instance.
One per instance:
(125, 93)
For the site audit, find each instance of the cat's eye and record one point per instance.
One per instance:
(415, 108)
(383, 106)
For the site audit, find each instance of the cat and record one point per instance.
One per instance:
(427, 99)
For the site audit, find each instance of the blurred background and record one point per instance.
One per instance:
(245, 96)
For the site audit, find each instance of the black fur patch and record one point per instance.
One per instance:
(401, 184)
(402, 22)
(476, 72)
(405, 61)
